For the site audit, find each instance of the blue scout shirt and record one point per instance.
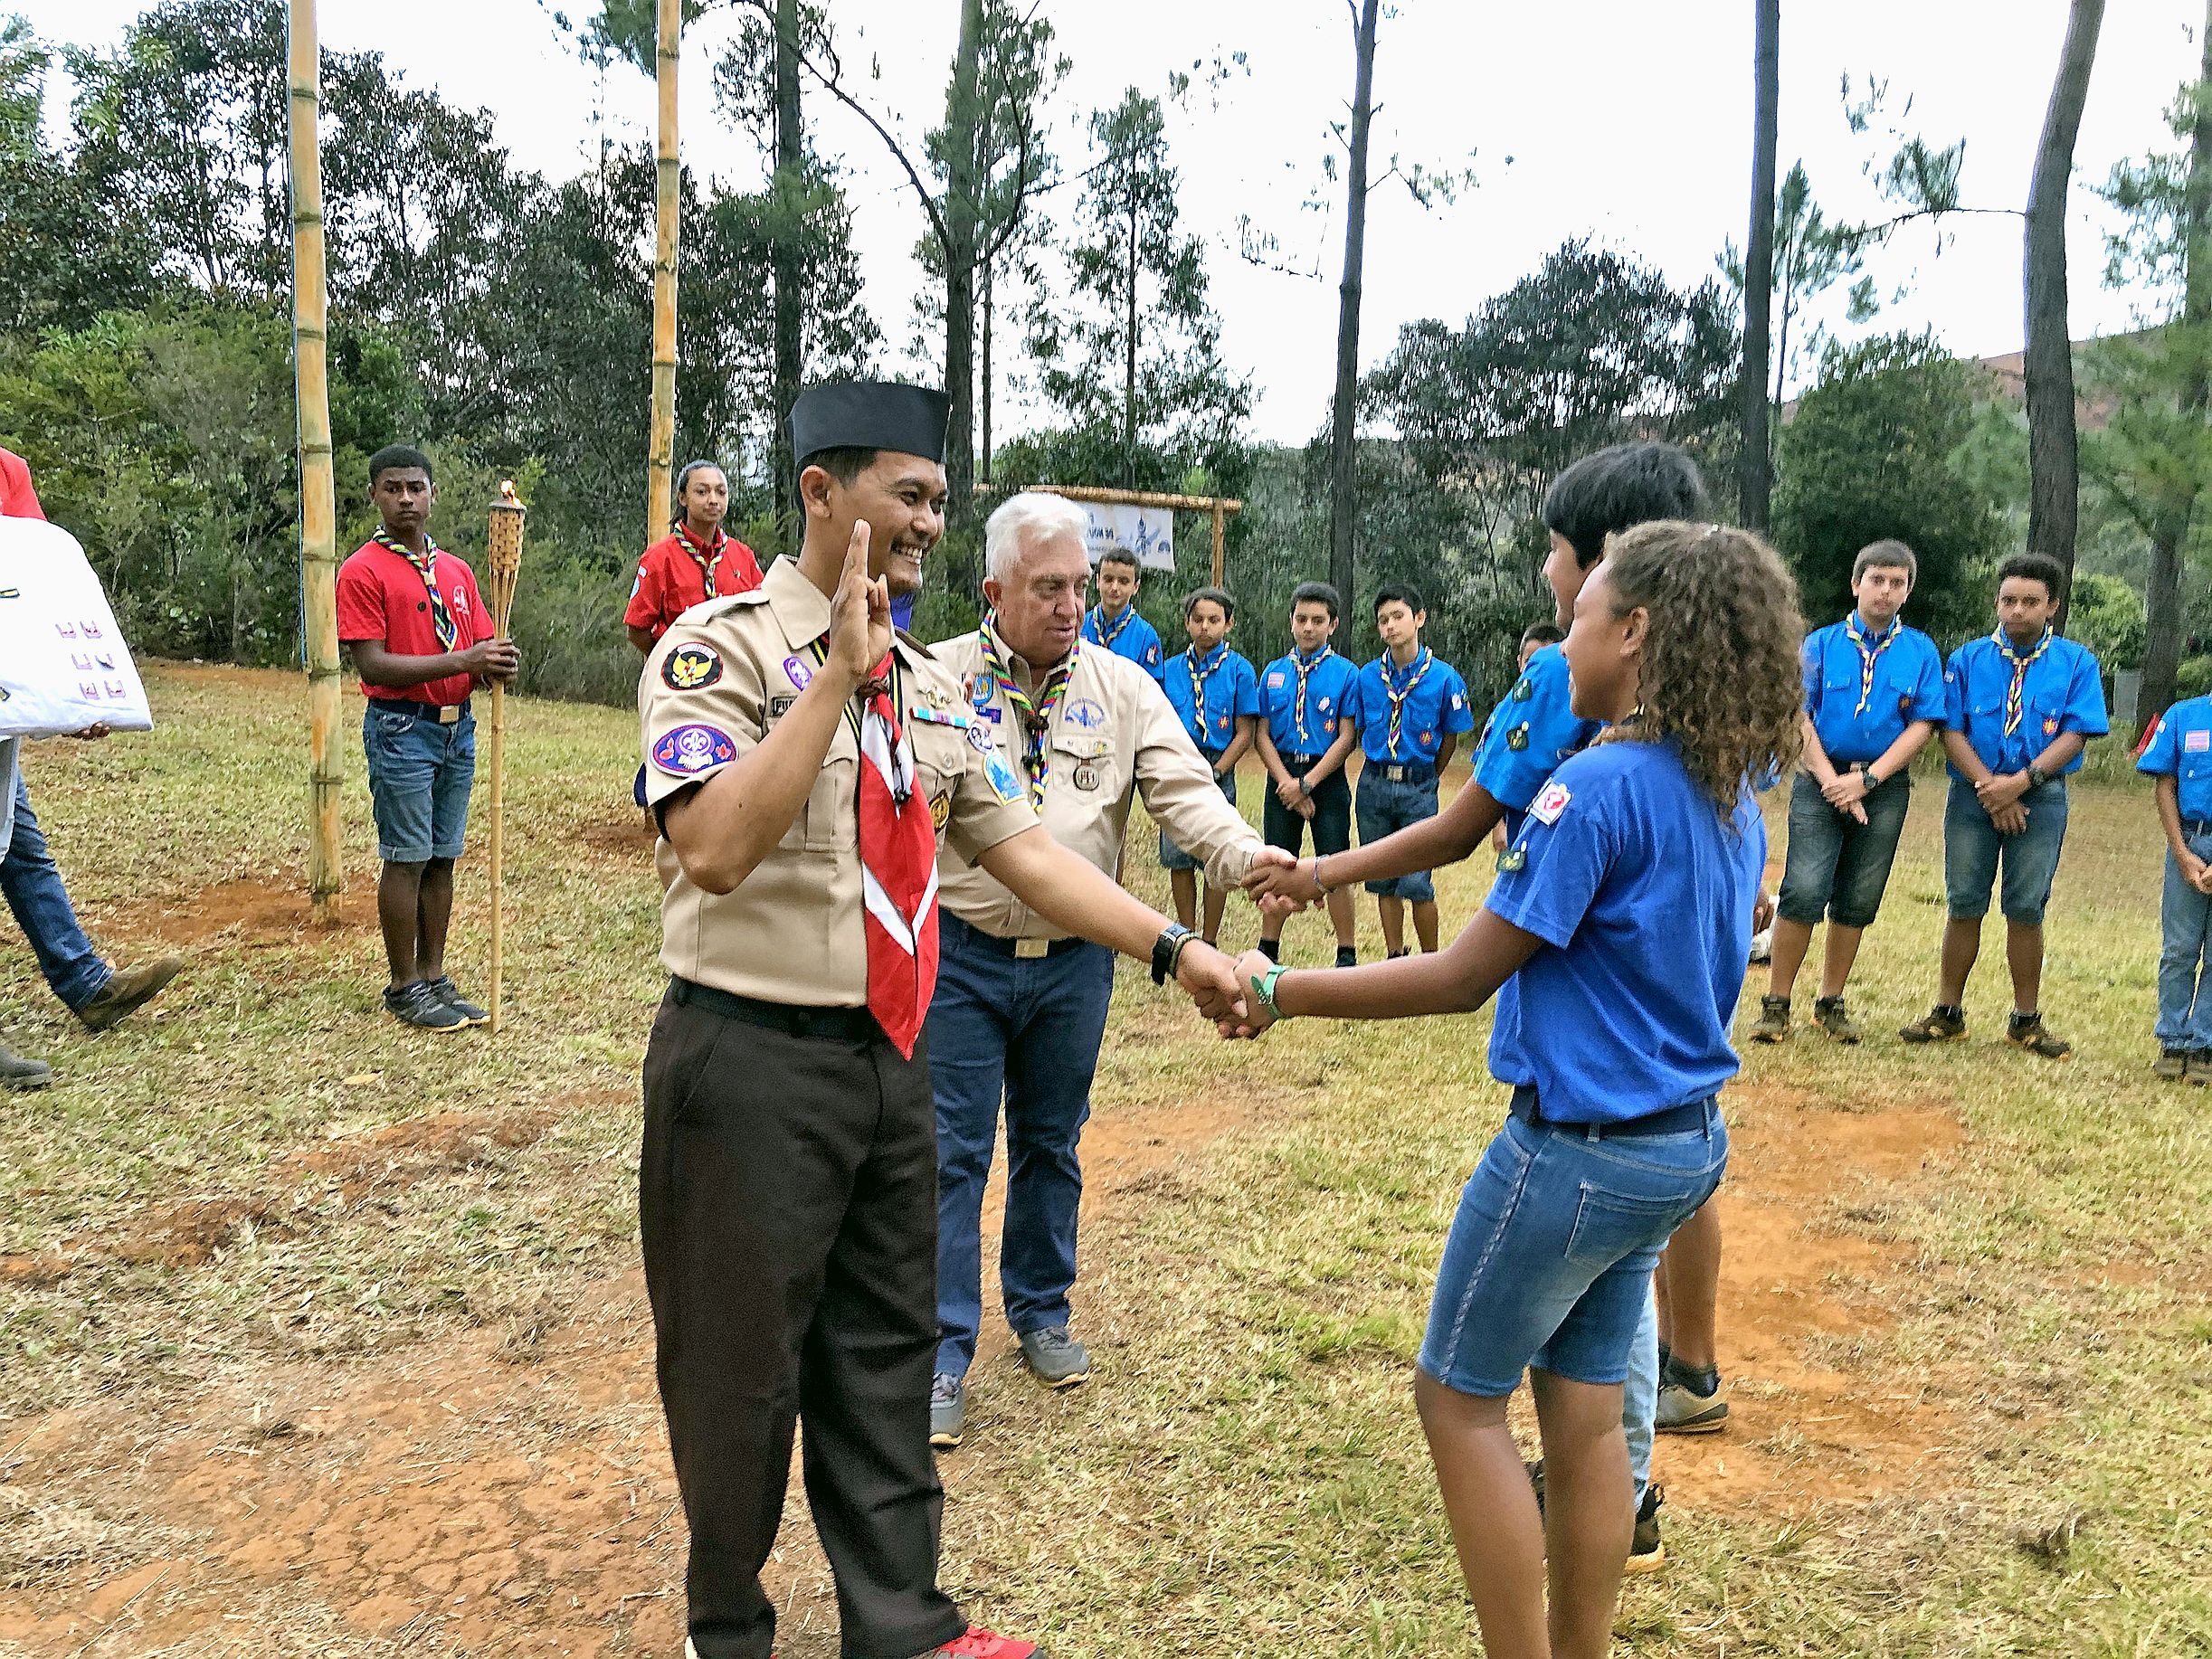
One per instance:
(1530, 733)
(1329, 681)
(1231, 690)
(2062, 692)
(1134, 637)
(1642, 893)
(2180, 748)
(1856, 716)
(1435, 707)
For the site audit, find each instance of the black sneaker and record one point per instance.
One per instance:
(2027, 1031)
(415, 1004)
(446, 991)
(1938, 1025)
(1347, 956)
(1646, 1552)
(1272, 949)
(1773, 1025)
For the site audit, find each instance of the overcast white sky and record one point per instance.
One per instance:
(1625, 122)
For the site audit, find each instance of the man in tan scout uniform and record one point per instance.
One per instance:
(804, 763)
(1020, 1005)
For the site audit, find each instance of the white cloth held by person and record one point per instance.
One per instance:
(64, 665)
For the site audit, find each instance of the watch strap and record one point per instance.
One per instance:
(1167, 950)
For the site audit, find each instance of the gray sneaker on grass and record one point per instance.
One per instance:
(1058, 1361)
(948, 1411)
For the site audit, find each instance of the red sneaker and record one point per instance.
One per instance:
(980, 1643)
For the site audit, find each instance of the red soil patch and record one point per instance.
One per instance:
(260, 912)
(629, 835)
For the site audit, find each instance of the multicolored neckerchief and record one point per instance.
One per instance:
(2014, 701)
(425, 566)
(1099, 628)
(1867, 656)
(1303, 670)
(1036, 714)
(1398, 694)
(1198, 677)
(709, 559)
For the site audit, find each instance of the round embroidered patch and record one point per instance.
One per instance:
(693, 748)
(691, 667)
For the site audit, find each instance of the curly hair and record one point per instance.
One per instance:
(1719, 670)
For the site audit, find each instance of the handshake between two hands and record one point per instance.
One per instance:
(1224, 990)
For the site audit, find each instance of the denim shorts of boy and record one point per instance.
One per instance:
(1974, 852)
(1386, 807)
(1550, 1259)
(1835, 865)
(1173, 857)
(420, 774)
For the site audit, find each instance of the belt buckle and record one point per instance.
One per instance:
(450, 715)
(1030, 950)
(1394, 775)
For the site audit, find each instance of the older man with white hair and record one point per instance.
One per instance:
(1020, 1006)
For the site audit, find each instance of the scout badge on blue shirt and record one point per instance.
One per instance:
(1517, 739)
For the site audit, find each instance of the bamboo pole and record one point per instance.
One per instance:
(502, 566)
(660, 455)
(1215, 507)
(319, 560)
(1221, 545)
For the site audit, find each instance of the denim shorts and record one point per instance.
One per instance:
(1385, 809)
(1550, 1259)
(420, 774)
(1173, 857)
(1974, 852)
(1836, 865)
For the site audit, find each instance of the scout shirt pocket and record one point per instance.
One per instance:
(830, 805)
(1085, 765)
(941, 758)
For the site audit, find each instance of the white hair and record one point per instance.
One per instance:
(1026, 521)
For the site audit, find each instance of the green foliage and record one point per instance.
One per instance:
(2106, 614)
(1869, 456)
(2195, 678)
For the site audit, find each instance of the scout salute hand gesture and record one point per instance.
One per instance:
(861, 613)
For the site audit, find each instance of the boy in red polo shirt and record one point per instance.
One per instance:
(695, 562)
(421, 642)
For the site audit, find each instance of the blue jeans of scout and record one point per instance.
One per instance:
(34, 892)
(1028, 1031)
(2185, 923)
(1384, 808)
(1974, 852)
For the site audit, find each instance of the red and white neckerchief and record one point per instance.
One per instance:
(708, 559)
(898, 866)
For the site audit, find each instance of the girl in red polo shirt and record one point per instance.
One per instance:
(695, 562)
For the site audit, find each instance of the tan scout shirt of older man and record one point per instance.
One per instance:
(1021, 1006)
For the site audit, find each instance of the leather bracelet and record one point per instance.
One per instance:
(1321, 888)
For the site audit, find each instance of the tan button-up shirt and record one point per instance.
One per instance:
(721, 677)
(1113, 730)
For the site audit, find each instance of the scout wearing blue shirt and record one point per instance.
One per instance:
(1528, 735)
(2020, 704)
(1307, 697)
(1874, 695)
(2180, 756)
(1217, 694)
(1412, 707)
(1114, 623)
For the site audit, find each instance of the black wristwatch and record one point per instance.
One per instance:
(2037, 777)
(1167, 950)
(1867, 781)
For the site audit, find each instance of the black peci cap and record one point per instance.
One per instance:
(869, 414)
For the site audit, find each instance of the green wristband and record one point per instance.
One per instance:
(1263, 987)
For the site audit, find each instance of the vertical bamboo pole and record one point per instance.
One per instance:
(661, 457)
(1220, 546)
(502, 567)
(318, 559)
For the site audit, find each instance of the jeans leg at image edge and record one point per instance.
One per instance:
(1639, 1395)
(32, 886)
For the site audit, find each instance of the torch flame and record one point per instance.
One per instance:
(506, 489)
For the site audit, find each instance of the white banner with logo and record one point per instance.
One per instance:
(1148, 532)
(64, 665)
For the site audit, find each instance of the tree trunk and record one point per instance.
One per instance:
(963, 123)
(2054, 459)
(983, 378)
(660, 449)
(784, 266)
(318, 556)
(2162, 608)
(1755, 471)
(1344, 412)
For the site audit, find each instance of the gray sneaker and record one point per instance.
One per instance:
(1058, 1361)
(948, 1411)
(20, 1076)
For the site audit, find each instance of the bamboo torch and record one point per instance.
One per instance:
(502, 566)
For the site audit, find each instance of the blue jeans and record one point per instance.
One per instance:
(1639, 1394)
(1973, 850)
(2185, 998)
(1550, 1260)
(1385, 809)
(1028, 1031)
(1838, 866)
(420, 776)
(41, 902)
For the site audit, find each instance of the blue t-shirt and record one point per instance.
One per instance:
(2180, 748)
(1231, 690)
(1642, 894)
(2062, 693)
(1907, 686)
(902, 612)
(1531, 731)
(1435, 707)
(1134, 637)
(1328, 699)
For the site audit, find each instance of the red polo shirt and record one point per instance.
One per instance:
(17, 499)
(382, 596)
(670, 581)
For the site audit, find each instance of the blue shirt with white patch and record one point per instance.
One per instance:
(1641, 890)
(1231, 691)
(1329, 682)
(1134, 637)
(2062, 692)
(1435, 707)
(1532, 730)
(2180, 748)
(1857, 721)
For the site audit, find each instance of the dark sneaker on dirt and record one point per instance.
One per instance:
(446, 991)
(2172, 1065)
(416, 1005)
(2026, 1031)
(20, 1076)
(1646, 1552)
(976, 1642)
(948, 1411)
(1829, 1016)
(128, 990)
(1690, 1402)
(1773, 1025)
(1938, 1025)
(1058, 1361)
(1347, 956)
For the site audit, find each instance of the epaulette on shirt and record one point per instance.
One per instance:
(708, 609)
(915, 645)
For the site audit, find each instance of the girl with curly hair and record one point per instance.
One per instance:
(1614, 939)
